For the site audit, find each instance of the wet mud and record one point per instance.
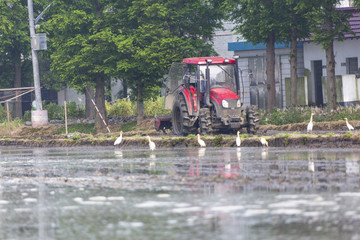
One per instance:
(325, 134)
(294, 140)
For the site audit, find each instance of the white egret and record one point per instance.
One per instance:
(151, 144)
(238, 139)
(311, 124)
(119, 139)
(348, 125)
(201, 142)
(264, 142)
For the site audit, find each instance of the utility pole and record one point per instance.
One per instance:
(39, 117)
(35, 61)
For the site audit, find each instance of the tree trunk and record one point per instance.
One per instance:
(17, 83)
(270, 71)
(89, 106)
(330, 72)
(293, 63)
(125, 88)
(100, 102)
(140, 104)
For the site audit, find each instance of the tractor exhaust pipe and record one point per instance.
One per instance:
(207, 89)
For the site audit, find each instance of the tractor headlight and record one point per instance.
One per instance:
(225, 104)
(238, 103)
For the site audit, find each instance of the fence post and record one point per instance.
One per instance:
(66, 127)
(8, 114)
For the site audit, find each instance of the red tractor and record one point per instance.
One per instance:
(204, 92)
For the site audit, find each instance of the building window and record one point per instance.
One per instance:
(352, 65)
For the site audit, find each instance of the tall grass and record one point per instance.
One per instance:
(302, 114)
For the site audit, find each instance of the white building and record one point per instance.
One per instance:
(312, 88)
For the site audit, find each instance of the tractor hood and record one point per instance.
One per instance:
(219, 94)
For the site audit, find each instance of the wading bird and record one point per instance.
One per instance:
(201, 142)
(119, 139)
(348, 125)
(311, 124)
(238, 140)
(264, 142)
(151, 144)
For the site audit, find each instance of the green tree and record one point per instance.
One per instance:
(328, 24)
(80, 40)
(14, 45)
(298, 28)
(261, 21)
(157, 33)
(15, 48)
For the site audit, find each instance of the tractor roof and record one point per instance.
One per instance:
(202, 60)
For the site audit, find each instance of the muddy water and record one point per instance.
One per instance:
(184, 193)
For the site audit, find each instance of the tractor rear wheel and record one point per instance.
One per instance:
(252, 117)
(180, 117)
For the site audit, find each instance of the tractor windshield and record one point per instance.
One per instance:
(221, 76)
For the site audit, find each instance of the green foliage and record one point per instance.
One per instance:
(330, 134)
(27, 115)
(89, 138)
(17, 122)
(125, 107)
(87, 128)
(75, 111)
(324, 14)
(155, 107)
(217, 140)
(302, 114)
(256, 19)
(55, 111)
(244, 136)
(15, 41)
(121, 108)
(304, 138)
(127, 127)
(75, 137)
(3, 114)
(348, 134)
(280, 117)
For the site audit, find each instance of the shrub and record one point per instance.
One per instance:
(155, 107)
(217, 140)
(75, 137)
(55, 111)
(121, 108)
(75, 111)
(27, 116)
(348, 134)
(3, 114)
(302, 114)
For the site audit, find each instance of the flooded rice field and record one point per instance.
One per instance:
(179, 193)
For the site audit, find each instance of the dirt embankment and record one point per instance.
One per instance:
(325, 134)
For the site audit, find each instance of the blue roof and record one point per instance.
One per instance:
(244, 46)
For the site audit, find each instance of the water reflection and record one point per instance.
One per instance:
(118, 153)
(197, 193)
